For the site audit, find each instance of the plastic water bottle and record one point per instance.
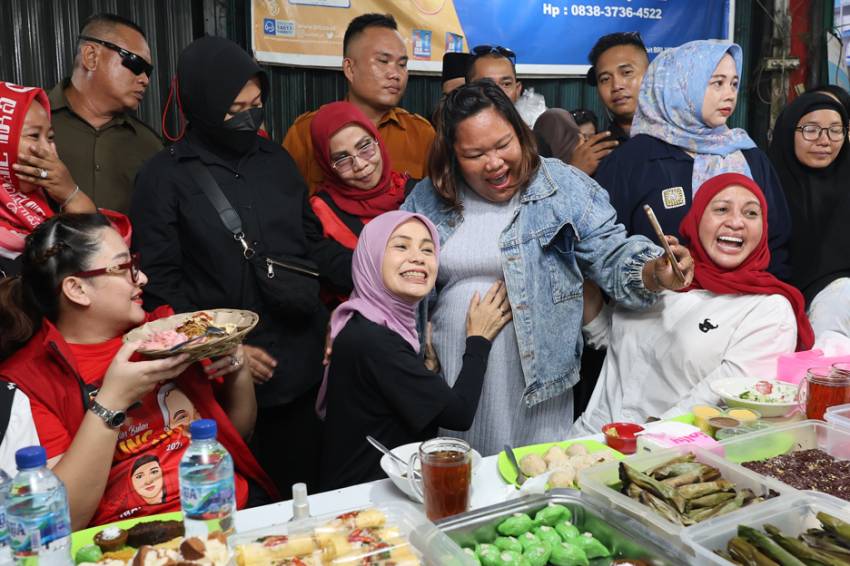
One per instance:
(5, 549)
(207, 490)
(37, 512)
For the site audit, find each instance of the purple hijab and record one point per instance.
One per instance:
(370, 297)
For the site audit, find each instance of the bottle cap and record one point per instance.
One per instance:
(31, 457)
(203, 429)
(300, 503)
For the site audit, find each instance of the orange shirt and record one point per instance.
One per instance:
(407, 137)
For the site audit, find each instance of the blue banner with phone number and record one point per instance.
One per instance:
(561, 33)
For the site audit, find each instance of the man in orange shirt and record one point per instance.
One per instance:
(375, 66)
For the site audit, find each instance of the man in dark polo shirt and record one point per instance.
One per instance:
(618, 62)
(97, 138)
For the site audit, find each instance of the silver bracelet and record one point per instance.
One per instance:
(70, 197)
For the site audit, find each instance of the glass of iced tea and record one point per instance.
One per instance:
(825, 387)
(446, 476)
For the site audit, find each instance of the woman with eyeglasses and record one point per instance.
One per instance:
(809, 150)
(359, 181)
(502, 212)
(93, 399)
(36, 184)
(185, 201)
(680, 139)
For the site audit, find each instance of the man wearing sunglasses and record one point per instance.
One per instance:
(97, 137)
(498, 64)
(374, 64)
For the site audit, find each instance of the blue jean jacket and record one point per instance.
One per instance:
(563, 231)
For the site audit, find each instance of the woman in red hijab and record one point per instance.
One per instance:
(359, 182)
(36, 184)
(733, 321)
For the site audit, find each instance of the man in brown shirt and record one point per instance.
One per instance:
(98, 140)
(375, 66)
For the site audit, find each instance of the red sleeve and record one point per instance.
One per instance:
(52, 433)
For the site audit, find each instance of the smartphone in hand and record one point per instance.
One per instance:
(660, 233)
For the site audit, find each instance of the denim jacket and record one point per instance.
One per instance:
(563, 231)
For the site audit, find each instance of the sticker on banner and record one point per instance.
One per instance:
(674, 197)
(422, 44)
(285, 28)
(454, 43)
(268, 26)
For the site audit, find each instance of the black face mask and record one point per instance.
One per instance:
(246, 121)
(239, 133)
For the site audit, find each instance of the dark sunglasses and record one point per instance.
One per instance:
(135, 63)
(482, 50)
(132, 265)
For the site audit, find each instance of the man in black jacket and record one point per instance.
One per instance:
(194, 262)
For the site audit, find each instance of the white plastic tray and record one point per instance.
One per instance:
(793, 515)
(429, 544)
(595, 483)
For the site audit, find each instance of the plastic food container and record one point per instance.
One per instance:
(595, 484)
(783, 439)
(793, 515)
(839, 416)
(334, 537)
(776, 441)
(616, 531)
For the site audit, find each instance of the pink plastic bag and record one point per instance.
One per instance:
(792, 368)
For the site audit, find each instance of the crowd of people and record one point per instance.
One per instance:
(412, 277)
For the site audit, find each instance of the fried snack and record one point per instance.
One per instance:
(196, 325)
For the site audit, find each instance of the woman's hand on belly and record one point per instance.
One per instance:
(486, 317)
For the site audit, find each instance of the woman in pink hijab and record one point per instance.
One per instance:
(377, 383)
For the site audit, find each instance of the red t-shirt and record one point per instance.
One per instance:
(144, 475)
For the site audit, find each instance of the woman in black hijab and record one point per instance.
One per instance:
(195, 262)
(809, 151)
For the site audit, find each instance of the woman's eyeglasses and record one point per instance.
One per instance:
(812, 132)
(482, 50)
(132, 265)
(135, 63)
(367, 152)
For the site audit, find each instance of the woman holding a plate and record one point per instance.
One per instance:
(733, 321)
(94, 400)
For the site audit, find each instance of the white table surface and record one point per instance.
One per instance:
(488, 488)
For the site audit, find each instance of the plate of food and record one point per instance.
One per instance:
(201, 334)
(563, 459)
(771, 398)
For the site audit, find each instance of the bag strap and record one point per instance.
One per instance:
(228, 215)
(350, 221)
(7, 398)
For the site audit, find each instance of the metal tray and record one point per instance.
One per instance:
(619, 532)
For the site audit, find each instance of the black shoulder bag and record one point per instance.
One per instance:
(289, 285)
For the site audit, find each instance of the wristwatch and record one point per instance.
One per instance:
(113, 419)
